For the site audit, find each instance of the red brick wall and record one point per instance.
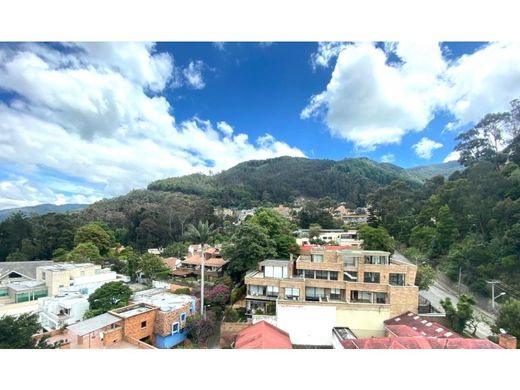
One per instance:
(132, 326)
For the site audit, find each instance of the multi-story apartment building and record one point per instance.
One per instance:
(354, 288)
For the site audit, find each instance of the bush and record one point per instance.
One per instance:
(238, 293)
(231, 315)
(185, 290)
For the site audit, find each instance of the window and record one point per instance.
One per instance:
(272, 291)
(292, 293)
(321, 275)
(396, 279)
(375, 260)
(371, 277)
(309, 274)
(175, 327)
(350, 276)
(3, 292)
(349, 261)
(314, 293)
(39, 294)
(256, 290)
(275, 272)
(380, 297)
(268, 271)
(335, 293)
(43, 275)
(333, 275)
(317, 258)
(183, 316)
(143, 324)
(361, 296)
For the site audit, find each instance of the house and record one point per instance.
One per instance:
(170, 327)
(127, 327)
(214, 264)
(325, 288)
(263, 335)
(410, 324)
(172, 263)
(55, 312)
(19, 292)
(155, 251)
(85, 278)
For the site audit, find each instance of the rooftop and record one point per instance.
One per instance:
(418, 343)
(27, 285)
(263, 335)
(132, 310)
(88, 326)
(212, 262)
(166, 301)
(411, 324)
(24, 268)
(67, 266)
(343, 333)
(274, 262)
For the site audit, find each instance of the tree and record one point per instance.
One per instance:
(132, 266)
(177, 249)
(425, 276)
(218, 297)
(460, 316)
(109, 296)
(153, 267)
(509, 318)
(202, 234)
(249, 245)
(446, 229)
(314, 230)
(84, 252)
(95, 234)
(279, 229)
(201, 329)
(376, 239)
(16, 332)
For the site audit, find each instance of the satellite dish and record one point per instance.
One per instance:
(502, 331)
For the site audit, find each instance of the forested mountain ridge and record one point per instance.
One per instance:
(284, 179)
(41, 209)
(425, 172)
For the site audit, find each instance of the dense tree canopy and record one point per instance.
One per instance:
(108, 297)
(16, 332)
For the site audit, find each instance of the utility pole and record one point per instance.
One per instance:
(493, 282)
(460, 277)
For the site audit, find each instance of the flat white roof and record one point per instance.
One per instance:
(166, 301)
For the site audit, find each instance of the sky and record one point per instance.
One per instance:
(84, 121)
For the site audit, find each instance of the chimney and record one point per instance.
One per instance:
(507, 341)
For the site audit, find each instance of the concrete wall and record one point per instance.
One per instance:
(171, 340)
(363, 320)
(307, 324)
(229, 331)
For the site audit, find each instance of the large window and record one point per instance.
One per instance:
(292, 293)
(22, 297)
(333, 275)
(272, 291)
(309, 273)
(361, 296)
(335, 293)
(350, 276)
(380, 297)
(314, 293)
(375, 260)
(396, 279)
(39, 294)
(256, 290)
(349, 261)
(317, 258)
(3, 292)
(371, 277)
(321, 275)
(275, 272)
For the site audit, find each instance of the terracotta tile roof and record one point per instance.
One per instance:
(263, 335)
(212, 262)
(171, 262)
(418, 324)
(418, 343)
(182, 272)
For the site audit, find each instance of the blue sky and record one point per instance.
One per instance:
(79, 122)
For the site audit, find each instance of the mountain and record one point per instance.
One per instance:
(41, 209)
(428, 171)
(284, 179)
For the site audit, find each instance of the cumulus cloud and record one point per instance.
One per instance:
(111, 127)
(453, 156)
(370, 101)
(193, 75)
(425, 147)
(388, 158)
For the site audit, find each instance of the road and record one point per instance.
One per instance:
(438, 292)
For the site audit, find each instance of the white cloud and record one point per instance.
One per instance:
(326, 52)
(219, 45)
(388, 158)
(453, 156)
(98, 121)
(371, 102)
(193, 75)
(425, 147)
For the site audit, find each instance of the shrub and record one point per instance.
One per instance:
(238, 293)
(185, 290)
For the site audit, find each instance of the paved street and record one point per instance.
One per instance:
(438, 292)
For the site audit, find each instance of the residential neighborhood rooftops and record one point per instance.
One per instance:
(411, 323)
(263, 335)
(92, 324)
(212, 262)
(133, 310)
(166, 301)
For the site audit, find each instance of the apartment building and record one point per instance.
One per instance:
(354, 288)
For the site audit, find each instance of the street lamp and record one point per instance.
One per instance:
(498, 296)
